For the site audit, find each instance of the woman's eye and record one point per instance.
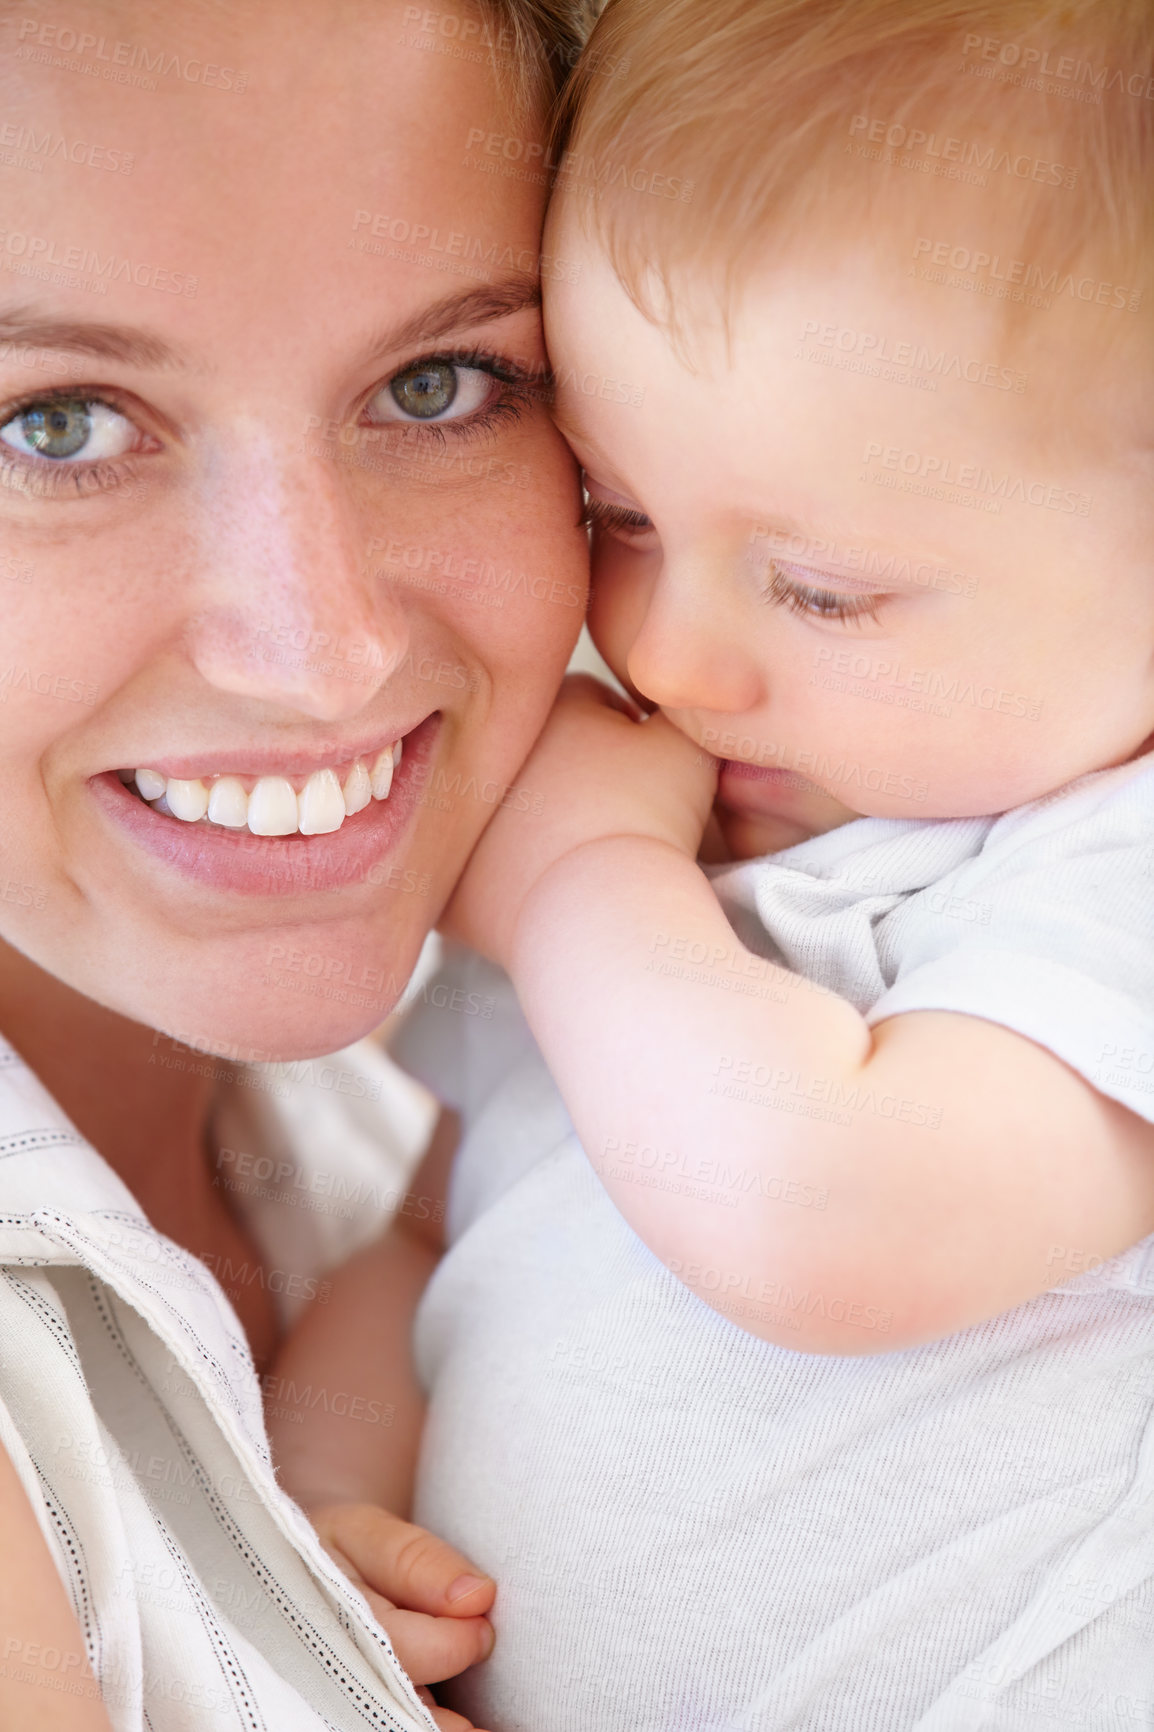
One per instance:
(69, 427)
(432, 391)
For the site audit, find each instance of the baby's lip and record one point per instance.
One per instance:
(738, 769)
(762, 791)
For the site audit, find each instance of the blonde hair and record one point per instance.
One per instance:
(547, 39)
(696, 127)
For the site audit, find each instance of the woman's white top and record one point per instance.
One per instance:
(131, 1410)
(697, 1531)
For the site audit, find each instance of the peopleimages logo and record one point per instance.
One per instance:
(59, 44)
(28, 148)
(921, 357)
(1042, 63)
(968, 153)
(1022, 273)
(41, 251)
(427, 241)
(944, 469)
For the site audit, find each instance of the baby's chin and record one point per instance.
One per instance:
(739, 831)
(748, 838)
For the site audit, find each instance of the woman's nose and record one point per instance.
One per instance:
(691, 651)
(285, 611)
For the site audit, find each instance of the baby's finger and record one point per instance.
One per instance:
(431, 1649)
(407, 1564)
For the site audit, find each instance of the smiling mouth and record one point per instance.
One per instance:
(312, 805)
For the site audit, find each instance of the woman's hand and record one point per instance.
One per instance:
(597, 770)
(429, 1600)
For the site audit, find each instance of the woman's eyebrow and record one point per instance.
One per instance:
(479, 305)
(21, 328)
(476, 306)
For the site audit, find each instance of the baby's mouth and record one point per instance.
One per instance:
(313, 805)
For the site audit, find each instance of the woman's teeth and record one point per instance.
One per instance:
(273, 807)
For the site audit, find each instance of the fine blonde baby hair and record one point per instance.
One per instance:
(698, 128)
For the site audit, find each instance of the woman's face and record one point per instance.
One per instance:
(242, 534)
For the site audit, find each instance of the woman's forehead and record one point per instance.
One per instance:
(317, 80)
(175, 170)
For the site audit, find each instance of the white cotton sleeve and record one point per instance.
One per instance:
(1048, 930)
(462, 1030)
(428, 1042)
(16, 1450)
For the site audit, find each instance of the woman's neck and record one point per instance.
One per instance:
(149, 1119)
(141, 1102)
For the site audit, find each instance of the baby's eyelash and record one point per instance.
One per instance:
(614, 517)
(781, 591)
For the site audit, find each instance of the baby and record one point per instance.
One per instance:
(791, 1364)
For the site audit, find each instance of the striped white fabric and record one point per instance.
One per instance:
(131, 1410)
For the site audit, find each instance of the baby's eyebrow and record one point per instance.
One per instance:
(480, 305)
(22, 328)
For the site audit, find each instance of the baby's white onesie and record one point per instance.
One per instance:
(696, 1531)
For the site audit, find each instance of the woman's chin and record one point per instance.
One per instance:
(295, 1001)
(263, 1029)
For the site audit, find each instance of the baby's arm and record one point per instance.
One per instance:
(342, 1402)
(344, 1413)
(930, 1223)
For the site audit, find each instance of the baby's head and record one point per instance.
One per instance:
(858, 361)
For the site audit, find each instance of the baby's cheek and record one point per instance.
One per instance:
(618, 602)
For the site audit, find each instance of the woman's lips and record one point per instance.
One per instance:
(237, 861)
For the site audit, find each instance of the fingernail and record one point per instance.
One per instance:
(465, 1585)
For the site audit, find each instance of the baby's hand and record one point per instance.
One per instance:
(429, 1600)
(598, 771)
